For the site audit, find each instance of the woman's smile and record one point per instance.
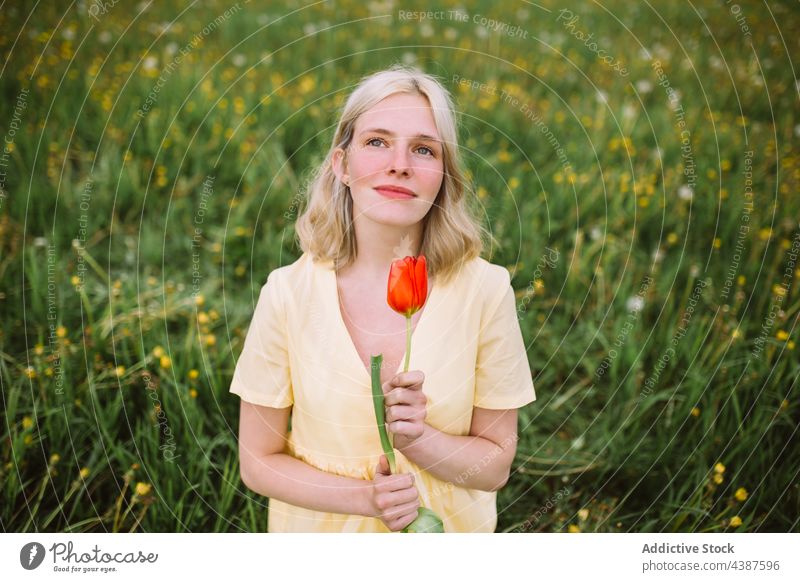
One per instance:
(395, 192)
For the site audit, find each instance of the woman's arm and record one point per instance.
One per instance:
(268, 471)
(482, 460)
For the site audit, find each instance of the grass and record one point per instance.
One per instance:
(116, 354)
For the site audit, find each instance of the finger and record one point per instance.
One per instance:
(397, 482)
(407, 495)
(409, 378)
(387, 387)
(404, 412)
(399, 512)
(383, 466)
(406, 428)
(405, 396)
(405, 520)
(401, 497)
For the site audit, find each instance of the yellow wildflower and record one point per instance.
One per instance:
(735, 521)
(572, 528)
(741, 494)
(193, 374)
(143, 489)
(75, 280)
(199, 300)
(158, 351)
(718, 478)
(193, 393)
(583, 514)
(782, 335)
(61, 331)
(84, 473)
(719, 468)
(55, 458)
(211, 340)
(30, 372)
(27, 422)
(165, 362)
(695, 411)
(120, 370)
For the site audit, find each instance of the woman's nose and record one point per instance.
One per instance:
(400, 161)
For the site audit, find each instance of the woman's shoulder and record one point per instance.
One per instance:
(479, 271)
(294, 278)
(491, 281)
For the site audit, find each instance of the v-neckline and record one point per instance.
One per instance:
(333, 284)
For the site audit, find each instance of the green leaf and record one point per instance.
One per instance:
(427, 522)
(380, 411)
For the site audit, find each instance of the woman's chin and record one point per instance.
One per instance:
(391, 216)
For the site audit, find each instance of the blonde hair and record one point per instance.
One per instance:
(451, 233)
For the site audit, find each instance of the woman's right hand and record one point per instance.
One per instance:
(393, 498)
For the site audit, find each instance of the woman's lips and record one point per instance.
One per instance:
(394, 194)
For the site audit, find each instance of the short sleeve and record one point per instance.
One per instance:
(262, 373)
(502, 374)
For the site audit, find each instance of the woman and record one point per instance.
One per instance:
(390, 186)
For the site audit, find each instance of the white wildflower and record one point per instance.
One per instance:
(635, 303)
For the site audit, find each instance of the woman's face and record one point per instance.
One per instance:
(387, 150)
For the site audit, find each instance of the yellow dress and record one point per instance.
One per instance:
(298, 352)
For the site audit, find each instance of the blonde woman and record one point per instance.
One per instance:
(391, 185)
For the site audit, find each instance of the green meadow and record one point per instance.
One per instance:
(636, 165)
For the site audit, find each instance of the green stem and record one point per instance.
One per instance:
(408, 343)
(380, 411)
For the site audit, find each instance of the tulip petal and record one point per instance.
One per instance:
(407, 288)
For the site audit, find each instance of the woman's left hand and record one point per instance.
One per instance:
(405, 407)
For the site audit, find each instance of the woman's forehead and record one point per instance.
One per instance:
(400, 114)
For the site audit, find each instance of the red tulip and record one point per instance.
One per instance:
(408, 285)
(408, 290)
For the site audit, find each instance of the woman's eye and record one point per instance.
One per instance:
(430, 151)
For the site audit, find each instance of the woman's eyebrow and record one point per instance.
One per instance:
(391, 134)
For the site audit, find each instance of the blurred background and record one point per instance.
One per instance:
(636, 163)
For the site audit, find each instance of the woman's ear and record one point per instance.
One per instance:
(340, 166)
